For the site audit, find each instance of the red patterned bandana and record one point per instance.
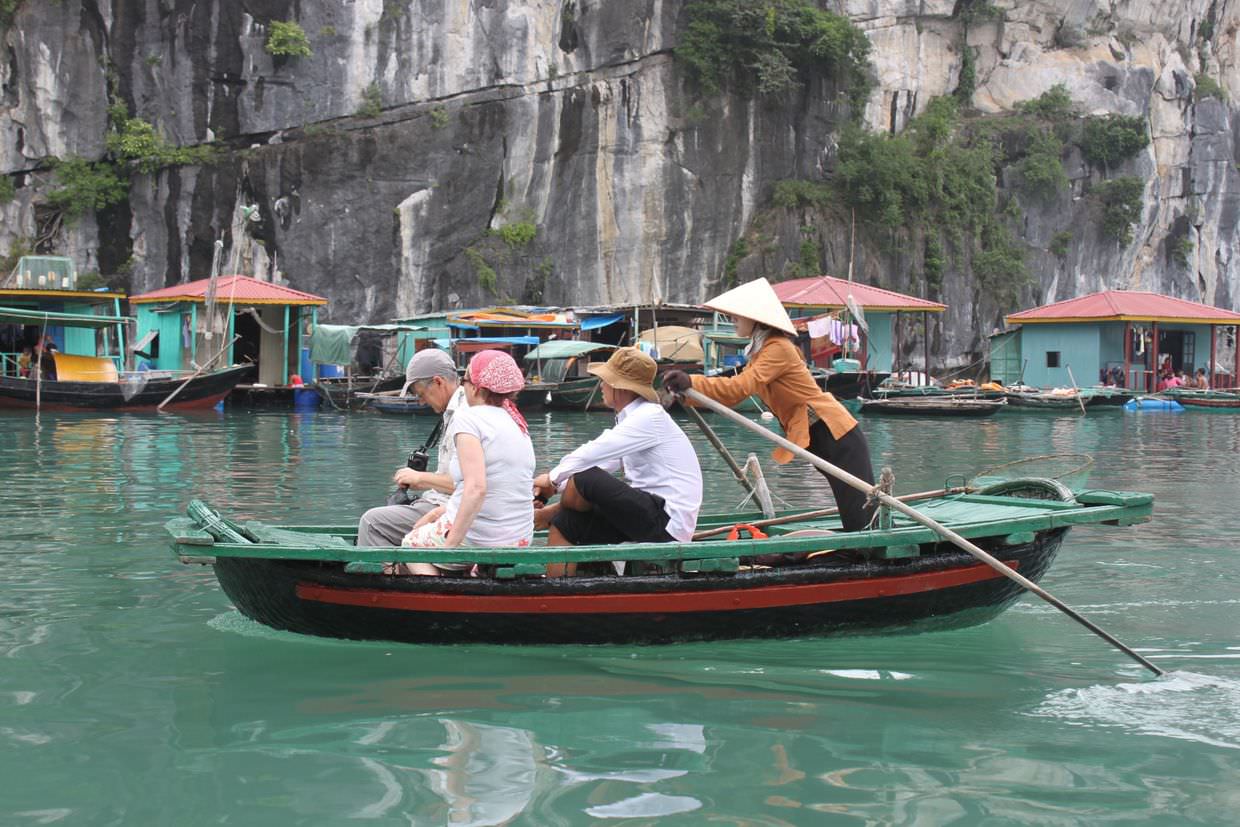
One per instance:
(496, 371)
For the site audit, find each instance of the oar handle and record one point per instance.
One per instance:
(915, 515)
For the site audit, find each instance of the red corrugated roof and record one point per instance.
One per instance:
(830, 292)
(1125, 305)
(237, 289)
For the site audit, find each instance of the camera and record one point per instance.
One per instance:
(419, 459)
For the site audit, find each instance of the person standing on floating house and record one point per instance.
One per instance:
(776, 372)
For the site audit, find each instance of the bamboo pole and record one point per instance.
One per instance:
(714, 440)
(38, 366)
(196, 373)
(706, 533)
(1079, 400)
(915, 515)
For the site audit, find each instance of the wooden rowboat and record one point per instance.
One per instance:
(1045, 400)
(131, 391)
(943, 405)
(1210, 399)
(313, 580)
(391, 402)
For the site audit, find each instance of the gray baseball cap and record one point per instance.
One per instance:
(429, 363)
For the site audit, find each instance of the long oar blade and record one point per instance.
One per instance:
(917, 516)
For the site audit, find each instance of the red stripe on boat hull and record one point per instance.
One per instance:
(765, 597)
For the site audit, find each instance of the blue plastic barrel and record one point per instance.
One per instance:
(330, 371)
(306, 399)
(306, 367)
(1145, 403)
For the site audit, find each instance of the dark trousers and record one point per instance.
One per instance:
(851, 453)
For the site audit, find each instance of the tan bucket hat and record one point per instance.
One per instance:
(630, 369)
(755, 300)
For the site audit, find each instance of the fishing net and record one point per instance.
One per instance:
(132, 383)
(1072, 470)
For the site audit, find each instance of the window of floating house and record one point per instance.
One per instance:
(1052, 358)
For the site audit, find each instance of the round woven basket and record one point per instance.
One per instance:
(1071, 470)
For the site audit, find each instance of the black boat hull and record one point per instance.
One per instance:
(945, 589)
(201, 392)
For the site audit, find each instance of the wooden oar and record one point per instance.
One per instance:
(1075, 388)
(825, 512)
(195, 374)
(915, 515)
(714, 440)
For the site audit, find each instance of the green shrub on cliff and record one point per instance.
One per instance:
(1120, 200)
(770, 46)
(1112, 139)
(1208, 87)
(135, 140)
(1053, 105)
(518, 233)
(83, 186)
(286, 38)
(7, 191)
(1041, 172)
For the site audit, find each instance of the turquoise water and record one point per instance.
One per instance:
(132, 693)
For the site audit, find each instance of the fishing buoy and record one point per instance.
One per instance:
(767, 416)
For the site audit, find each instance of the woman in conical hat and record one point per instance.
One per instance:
(776, 372)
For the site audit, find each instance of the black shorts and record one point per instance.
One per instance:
(621, 513)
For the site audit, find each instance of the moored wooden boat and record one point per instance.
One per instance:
(1105, 397)
(391, 402)
(341, 392)
(942, 405)
(133, 391)
(313, 580)
(1204, 399)
(1045, 400)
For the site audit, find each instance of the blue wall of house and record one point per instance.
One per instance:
(1077, 346)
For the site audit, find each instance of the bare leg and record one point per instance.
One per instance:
(555, 538)
(423, 569)
(571, 499)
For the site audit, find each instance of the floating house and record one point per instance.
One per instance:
(817, 295)
(241, 319)
(48, 287)
(1121, 337)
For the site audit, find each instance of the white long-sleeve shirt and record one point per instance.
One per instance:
(655, 456)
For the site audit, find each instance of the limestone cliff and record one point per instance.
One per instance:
(437, 153)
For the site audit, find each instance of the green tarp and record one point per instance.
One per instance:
(329, 343)
(563, 349)
(17, 315)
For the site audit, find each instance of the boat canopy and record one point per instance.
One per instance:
(18, 315)
(564, 349)
(595, 322)
(675, 343)
(496, 340)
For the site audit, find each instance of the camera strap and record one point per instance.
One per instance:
(434, 437)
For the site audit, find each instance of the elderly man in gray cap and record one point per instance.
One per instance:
(432, 376)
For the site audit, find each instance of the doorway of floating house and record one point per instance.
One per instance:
(1181, 346)
(248, 347)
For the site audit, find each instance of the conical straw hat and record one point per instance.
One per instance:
(754, 300)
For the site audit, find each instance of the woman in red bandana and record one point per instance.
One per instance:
(493, 470)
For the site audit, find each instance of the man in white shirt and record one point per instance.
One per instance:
(432, 376)
(660, 501)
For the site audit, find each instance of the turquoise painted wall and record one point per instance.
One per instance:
(169, 326)
(878, 350)
(1006, 359)
(1078, 347)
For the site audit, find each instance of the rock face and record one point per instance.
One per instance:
(386, 165)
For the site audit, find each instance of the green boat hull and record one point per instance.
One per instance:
(313, 580)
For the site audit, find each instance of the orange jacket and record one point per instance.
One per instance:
(777, 374)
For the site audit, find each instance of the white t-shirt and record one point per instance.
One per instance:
(447, 447)
(507, 515)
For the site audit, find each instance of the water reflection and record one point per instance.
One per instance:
(134, 673)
